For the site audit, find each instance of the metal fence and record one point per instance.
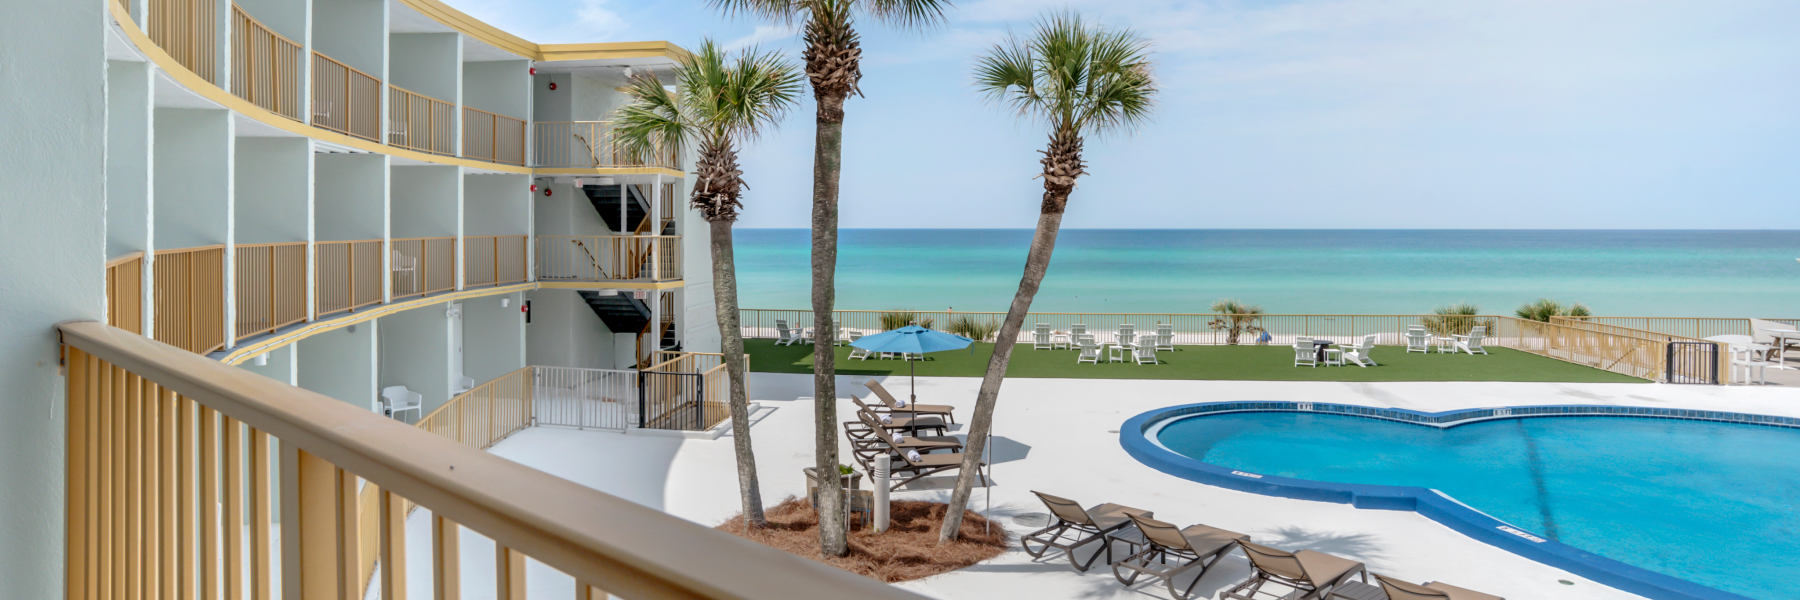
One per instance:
(345, 99)
(420, 122)
(585, 398)
(492, 137)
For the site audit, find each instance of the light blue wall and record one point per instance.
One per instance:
(53, 235)
(353, 32)
(497, 204)
(566, 211)
(426, 63)
(341, 364)
(502, 87)
(283, 366)
(551, 105)
(493, 337)
(425, 200)
(286, 17)
(273, 188)
(193, 177)
(127, 157)
(415, 352)
(350, 192)
(564, 332)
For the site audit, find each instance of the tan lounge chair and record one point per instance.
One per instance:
(914, 409)
(1401, 590)
(903, 469)
(1076, 527)
(905, 424)
(1196, 547)
(1314, 574)
(866, 447)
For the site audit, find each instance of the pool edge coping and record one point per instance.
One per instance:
(1434, 505)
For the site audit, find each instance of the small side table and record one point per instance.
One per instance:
(1131, 537)
(1115, 353)
(1446, 345)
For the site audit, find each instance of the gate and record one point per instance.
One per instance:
(675, 401)
(1693, 362)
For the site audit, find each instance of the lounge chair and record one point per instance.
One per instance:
(1124, 336)
(912, 409)
(1418, 340)
(789, 337)
(865, 445)
(1313, 575)
(907, 468)
(902, 422)
(1077, 330)
(1090, 353)
(1165, 337)
(1196, 547)
(859, 353)
(1076, 527)
(1472, 343)
(1359, 354)
(1041, 338)
(1401, 590)
(1144, 353)
(1305, 355)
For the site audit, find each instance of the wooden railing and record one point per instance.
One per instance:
(348, 275)
(345, 100)
(686, 390)
(265, 67)
(421, 266)
(190, 298)
(1618, 350)
(481, 417)
(270, 286)
(583, 144)
(1692, 327)
(420, 122)
(125, 292)
(493, 138)
(609, 258)
(494, 259)
(170, 492)
(187, 30)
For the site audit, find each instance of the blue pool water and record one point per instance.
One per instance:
(1713, 503)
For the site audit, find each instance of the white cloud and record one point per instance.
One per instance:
(604, 23)
(762, 35)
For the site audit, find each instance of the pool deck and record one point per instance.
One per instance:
(1057, 436)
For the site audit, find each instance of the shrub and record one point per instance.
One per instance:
(1458, 319)
(1235, 319)
(974, 328)
(897, 319)
(1544, 308)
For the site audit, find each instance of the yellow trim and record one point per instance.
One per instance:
(611, 51)
(244, 353)
(473, 27)
(664, 171)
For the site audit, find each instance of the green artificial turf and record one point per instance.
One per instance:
(1248, 363)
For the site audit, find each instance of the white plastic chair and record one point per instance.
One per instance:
(1090, 353)
(1144, 353)
(463, 384)
(788, 337)
(1472, 343)
(1417, 340)
(1360, 354)
(398, 399)
(859, 353)
(1077, 330)
(409, 265)
(1040, 338)
(1165, 337)
(1304, 353)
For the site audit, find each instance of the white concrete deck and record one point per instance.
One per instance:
(1059, 436)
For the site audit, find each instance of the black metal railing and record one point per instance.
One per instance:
(1693, 362)
(673, 401)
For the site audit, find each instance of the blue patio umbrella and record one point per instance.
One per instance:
(912, 339)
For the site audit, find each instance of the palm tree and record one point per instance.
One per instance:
(1080, 79)
(718, 103)
(834, 66)
(1235, 318)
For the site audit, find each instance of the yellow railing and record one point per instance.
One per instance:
(345, 100)
(125, 292)
(672, 379)
(493, 259)
(609, 258)
(493, 138)
(421, 266)
(265, 67)
(172, 462)
(587, 144)
(481, 417)
(190, 298)
(270, 286)
(186, 29)
(420, 122)
(348, 275)
(1693, 327)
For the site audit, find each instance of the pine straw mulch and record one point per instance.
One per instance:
(907, 551)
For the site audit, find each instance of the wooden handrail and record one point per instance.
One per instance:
(602, 540)
(265, 65)
(420, 122)
(122, 259)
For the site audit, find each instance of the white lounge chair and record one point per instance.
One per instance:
(1418, 340)
(1359, 354)
(1165, 337)
(1472, 343)
(398, 399)
(1090, 353)
(1077, 330)
(1040, 339)
(789, 337)
(1124, 336)
(1144, 353)
(859, 353)
(1304, 353)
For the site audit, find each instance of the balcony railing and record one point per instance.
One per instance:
(265, 67)
(602, 258)
(172, 461)
(271, 287)
(423, 266)
(186, 30)
(345, 100)
(493, 138)
(190, 298)
(125, 292)
(588, 144)
(348, 275)
(420, 122)
(494, 259)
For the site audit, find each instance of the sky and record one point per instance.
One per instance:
(1555, 114)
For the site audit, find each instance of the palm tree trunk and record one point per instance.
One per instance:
(731, 344)
(827, 156)
(1036, 264)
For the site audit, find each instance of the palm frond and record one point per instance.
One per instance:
(785, 11)
(1072, 75)
(653, 121)
(908, 14)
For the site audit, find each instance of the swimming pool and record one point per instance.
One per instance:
(1714, 503)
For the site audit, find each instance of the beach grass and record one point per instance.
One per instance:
(1242, 363)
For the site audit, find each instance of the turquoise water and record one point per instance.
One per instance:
(1623, 273)
(1723, 510)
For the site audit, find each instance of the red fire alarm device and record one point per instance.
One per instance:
(534, 187)
(546, 191)
(552, 86)
(534, 70)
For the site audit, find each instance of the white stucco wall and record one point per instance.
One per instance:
(193, 177)
(415, 352)
(283, 365)
(52, 93)
(353, 32)
(596, 96)
(350, 192)
(286, 17)
(273, 188)
(551, 105)
(426, 63)
(497, 204)
(425, 200)
(341, 364)
(564, 332)
(566, 211)
(501, 87)
(128, 198)
(493, 337)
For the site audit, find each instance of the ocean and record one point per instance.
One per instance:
(1619, 273)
